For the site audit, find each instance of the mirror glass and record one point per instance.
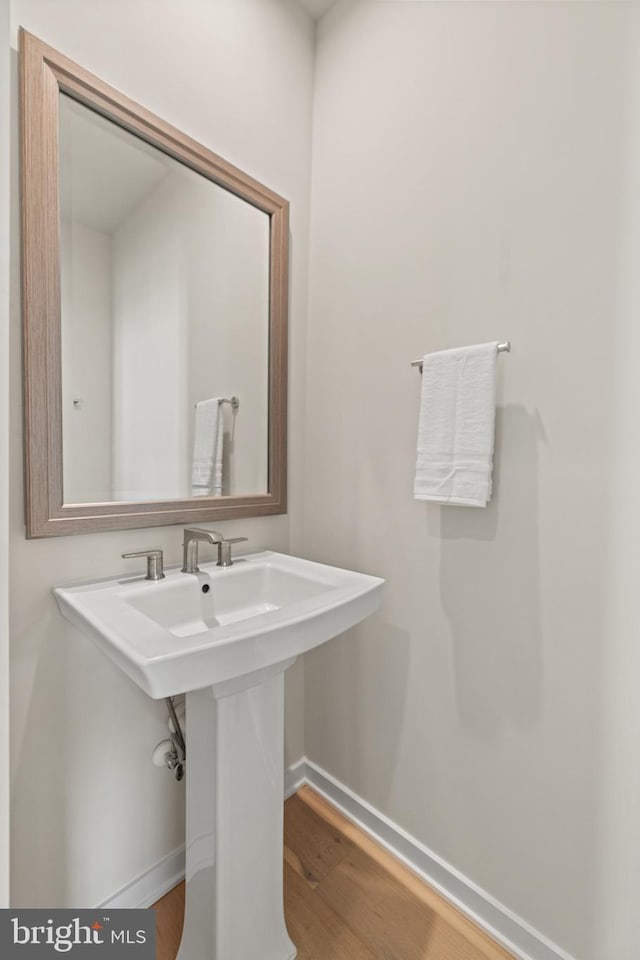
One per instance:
(164, 325)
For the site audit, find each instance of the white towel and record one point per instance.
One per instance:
(206, 471)
(457, 426)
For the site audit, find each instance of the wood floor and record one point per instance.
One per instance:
(347, 899)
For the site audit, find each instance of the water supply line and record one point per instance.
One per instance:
(176, 758)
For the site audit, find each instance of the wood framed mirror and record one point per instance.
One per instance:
(155, 280)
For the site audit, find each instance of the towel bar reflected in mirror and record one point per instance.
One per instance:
(234, 401)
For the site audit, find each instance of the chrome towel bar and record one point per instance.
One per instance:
(501, 348)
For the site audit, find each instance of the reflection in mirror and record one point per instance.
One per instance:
(165, 313)
(154, 285)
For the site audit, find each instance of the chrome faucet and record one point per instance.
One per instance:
(192, 537)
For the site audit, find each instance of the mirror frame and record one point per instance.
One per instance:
(44, 74)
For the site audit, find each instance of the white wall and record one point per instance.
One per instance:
(230, 356)
(87, 367)
(150, 350)
(473, 181)
(237, 77)
(619, 876)
(199, 330)
(5, 155)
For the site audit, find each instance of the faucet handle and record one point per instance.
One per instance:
(224, 551)
(155, 570)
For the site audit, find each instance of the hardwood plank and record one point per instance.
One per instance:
(488, 948)
(392, 922)
(169, 920)
(317, 931)
(312, 846)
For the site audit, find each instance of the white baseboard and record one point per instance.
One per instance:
(508, 929)
(504, 926)
(295, 777)
(150, 885)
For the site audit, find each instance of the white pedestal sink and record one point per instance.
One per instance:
(225, 638)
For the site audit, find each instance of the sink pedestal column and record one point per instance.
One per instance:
(235, 797)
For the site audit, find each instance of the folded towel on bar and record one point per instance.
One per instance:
(457, 426)
(206, 471)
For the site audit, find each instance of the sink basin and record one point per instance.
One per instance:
(191, 631)
(225, 637)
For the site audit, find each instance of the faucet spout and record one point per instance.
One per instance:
(192, 537)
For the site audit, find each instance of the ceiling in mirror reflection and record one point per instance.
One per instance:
(105, 171)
